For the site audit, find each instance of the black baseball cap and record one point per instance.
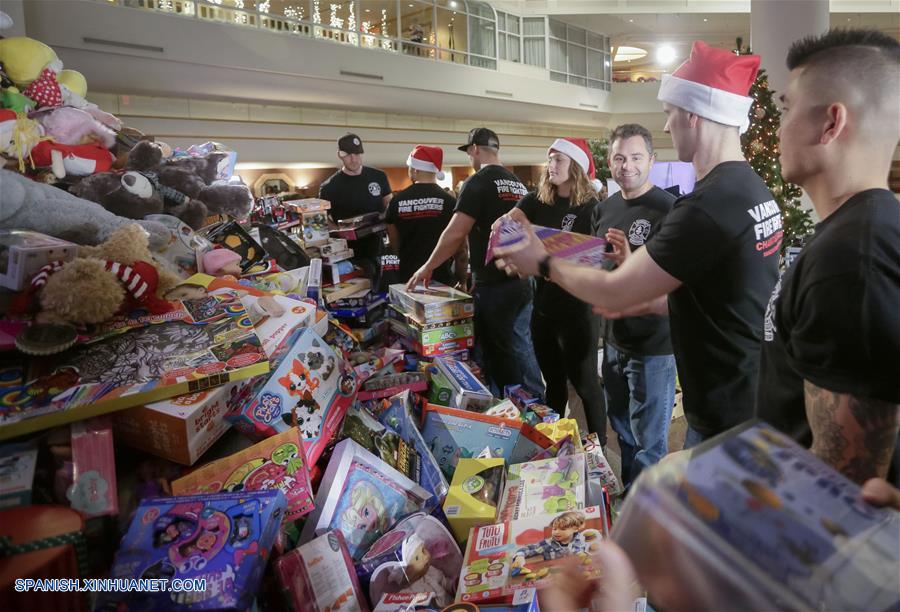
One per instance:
(482, 137)
(349, 144)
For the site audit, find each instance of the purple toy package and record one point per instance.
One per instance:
(221, 541)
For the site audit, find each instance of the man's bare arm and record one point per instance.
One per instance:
(855, 435)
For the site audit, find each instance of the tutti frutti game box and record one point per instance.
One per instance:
(312, 385)
(503, 558)
(130, 362)
(224, 539)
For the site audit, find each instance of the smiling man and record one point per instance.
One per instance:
(830, 370)
(715, 256)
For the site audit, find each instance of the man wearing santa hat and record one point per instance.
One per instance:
(715, 257)
(418, 215)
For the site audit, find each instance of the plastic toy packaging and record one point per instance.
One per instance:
(319, 576)
(548, 486)
(224, 539)
(417, 556)
(474, 495)
(93, 491)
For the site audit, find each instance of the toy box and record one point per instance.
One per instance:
(93, 491)
(417, 556)
(366, 497)
(275, 463)
(314, 226)
(17, 463)
(314, 280)
(469, 393)
(578, 248)
(224, 539)
(392, 384)
(559, 429)
(505, 557)
(232, 235)
(475, 494)
(309, 384)
(181, 429)
(437, 304)
(306, 205)
(319, 577)
(548, 486)
(181, 250)
(754, 517)
(598, 471)
(23, 253)
(435, 339)
(452, 434)
(131, 362)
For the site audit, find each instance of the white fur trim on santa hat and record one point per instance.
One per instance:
(567, 147)
(710, 103)
(424, 166)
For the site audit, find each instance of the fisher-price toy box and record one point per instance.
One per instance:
(548, 486)
(506, 557)
(311, 382)
(474, 495)
(181, 429)
(224, 539)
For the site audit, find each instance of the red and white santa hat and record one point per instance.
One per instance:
(427, 159)
(580, 153)
(713, 83)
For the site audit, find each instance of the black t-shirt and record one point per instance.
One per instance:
(550, 298)
(640, 219)
(834, 317)
(420, 212)
(351, 196)
(486, 196)
(722, 242)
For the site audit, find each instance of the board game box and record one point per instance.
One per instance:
(437, 304)
(275, 463)
(577, 248)
(130, 362)
(224, 539)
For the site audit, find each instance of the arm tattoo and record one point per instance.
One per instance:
(855, 435)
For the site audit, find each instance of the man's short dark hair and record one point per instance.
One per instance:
(839, 42)
(627, 130)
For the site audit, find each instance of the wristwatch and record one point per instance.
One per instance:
(544, 267)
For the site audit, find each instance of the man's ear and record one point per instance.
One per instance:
(692, 120)
(835, 123)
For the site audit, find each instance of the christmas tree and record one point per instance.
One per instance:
(600, 153)
(760, 145)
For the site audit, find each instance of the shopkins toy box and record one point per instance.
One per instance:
(311, 385)
(474, 495)
(505, 557)
(453, 434)
(436, 304)
(548, 486)
(223, 539)
(319, 576)
(365, 499)
(275, 463)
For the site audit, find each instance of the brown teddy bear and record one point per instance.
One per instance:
(117, 276)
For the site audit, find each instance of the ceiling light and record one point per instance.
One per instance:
(705, 20)
(626, 54)
(631, 21)
(453, 3)
(665, 54)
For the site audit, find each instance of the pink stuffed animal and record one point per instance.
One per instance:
(74, 126)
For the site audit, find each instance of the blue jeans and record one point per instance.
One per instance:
(502, 335)
(640, 394)
(692, 438)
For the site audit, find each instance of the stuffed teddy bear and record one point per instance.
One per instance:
(49, 210)
(130, 194)
(116, 277)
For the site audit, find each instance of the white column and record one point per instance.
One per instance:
(775, 25)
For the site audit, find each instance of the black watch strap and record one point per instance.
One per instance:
(544, 267)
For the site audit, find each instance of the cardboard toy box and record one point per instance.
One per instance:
(17, 463)
(311, 379)
(453, 434)
(181, 429)
(469, 393)
(223, 538)
(275, 463)
(474, 496)
(548, 486)
(437, 304)
(503, 558)
(319, 576)
(23, 253)
(435, 339)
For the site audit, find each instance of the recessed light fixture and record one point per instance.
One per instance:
(665, 54)
(705, 20)
(631, 21)
(453, 4)
(626, 54)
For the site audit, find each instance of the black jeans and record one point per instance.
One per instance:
(566, 344)
(496, 307)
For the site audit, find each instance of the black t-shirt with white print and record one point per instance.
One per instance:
(550, 298)
(834, 317)
(420, 212)
(351, 196)
(640, 218)
(486, 196)
(722, 242)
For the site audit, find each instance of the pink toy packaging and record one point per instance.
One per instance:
(93, 491)
(417, 556)
(223, 540)
(319, 576)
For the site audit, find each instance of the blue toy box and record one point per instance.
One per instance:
(224, 539)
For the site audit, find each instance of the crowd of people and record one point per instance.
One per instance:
(693, 283)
